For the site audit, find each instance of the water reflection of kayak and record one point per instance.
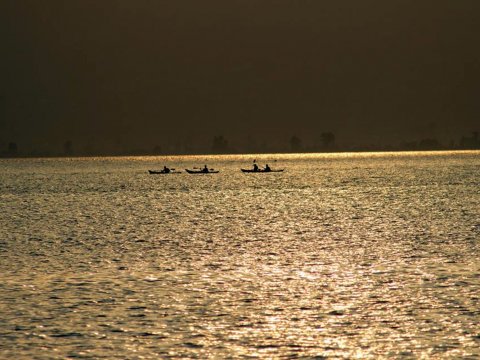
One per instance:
(260, 171)
(201, 171)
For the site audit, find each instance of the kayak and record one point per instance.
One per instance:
(163, 172)
(201, 171)
(260, 171)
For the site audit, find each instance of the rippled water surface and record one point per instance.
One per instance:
(343, 256)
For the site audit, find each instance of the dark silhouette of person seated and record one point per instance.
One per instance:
(205, 169)
(255, 167)
(267, 168)
(166, 170)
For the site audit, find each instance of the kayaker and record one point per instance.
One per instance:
(205, 169)
(267, 168)
(166, 170)
(255, 167)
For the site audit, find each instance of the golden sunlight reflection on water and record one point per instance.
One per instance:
(342, 255)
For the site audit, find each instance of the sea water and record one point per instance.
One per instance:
(362, 255)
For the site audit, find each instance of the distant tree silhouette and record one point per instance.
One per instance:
(328, 140)
(68, 148)
(219, 144)
(429, 144)
(295, 144)
(12, 149)
(472, 142)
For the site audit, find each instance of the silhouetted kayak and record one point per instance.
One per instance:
(201, 171)
(163, 172)
(260, 171)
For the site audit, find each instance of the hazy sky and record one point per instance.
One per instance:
(140, 72)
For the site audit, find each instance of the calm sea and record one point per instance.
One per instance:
(345, 256)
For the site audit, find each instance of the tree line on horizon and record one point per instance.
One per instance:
(325, 142)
